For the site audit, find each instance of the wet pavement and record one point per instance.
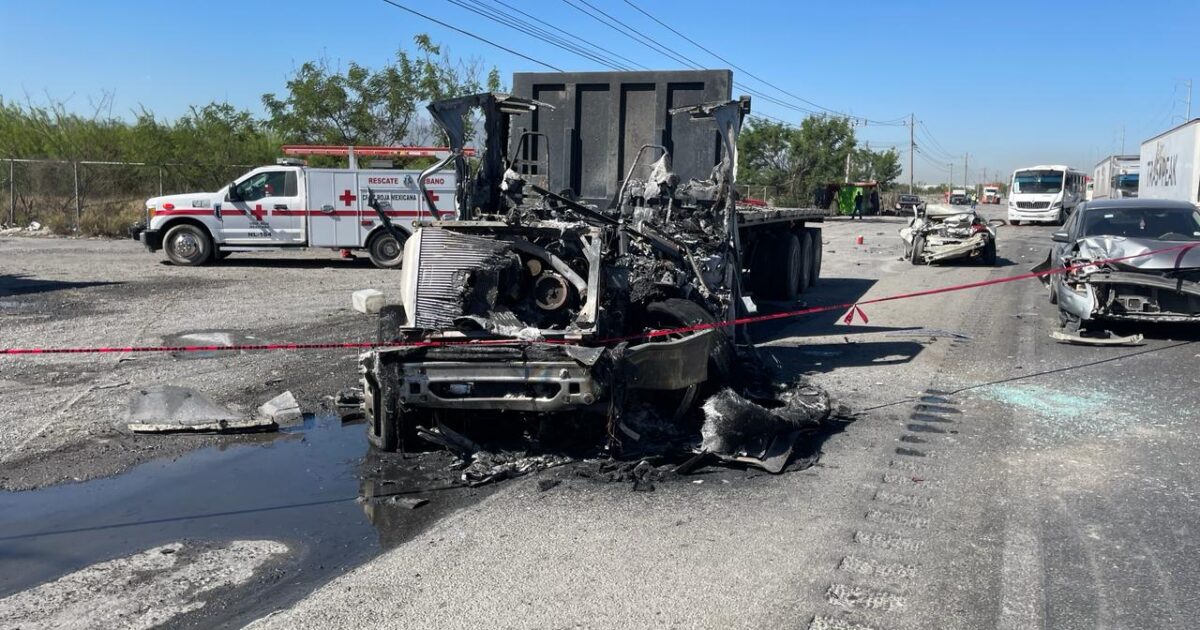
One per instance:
(300, 487)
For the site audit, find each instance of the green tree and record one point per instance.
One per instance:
(881, 166)
(365, 107)
(796, 161)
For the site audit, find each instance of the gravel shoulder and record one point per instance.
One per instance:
(61, 416)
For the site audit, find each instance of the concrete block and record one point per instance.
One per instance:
(367, 301)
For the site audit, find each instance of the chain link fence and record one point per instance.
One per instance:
(91, 198)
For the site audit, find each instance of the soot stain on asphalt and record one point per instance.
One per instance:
(305, 488)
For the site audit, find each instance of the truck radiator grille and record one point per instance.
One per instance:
(1033, 205)
(444, 269)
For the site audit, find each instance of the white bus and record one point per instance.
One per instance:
(1046, 193)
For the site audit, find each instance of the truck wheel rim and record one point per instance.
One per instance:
(186, 245)
(389, 248)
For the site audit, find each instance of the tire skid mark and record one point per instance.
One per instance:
(863, 598)
(887, 517)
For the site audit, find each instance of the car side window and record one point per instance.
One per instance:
(1073, 224)
(265, 184)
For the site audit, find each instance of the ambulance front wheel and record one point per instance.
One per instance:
(385, 251)
(188, 245)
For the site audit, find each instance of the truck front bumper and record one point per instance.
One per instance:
(540, 378)
(152, 239)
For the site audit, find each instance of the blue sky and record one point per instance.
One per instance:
(1010, 83)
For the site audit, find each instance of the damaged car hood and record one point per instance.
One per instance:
(1109, 247)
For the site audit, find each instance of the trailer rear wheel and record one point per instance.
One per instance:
(188, 245)
(815, 254)
(806, 260)
(790, 263)
(385, 251)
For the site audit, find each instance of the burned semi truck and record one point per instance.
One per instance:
(542, 298)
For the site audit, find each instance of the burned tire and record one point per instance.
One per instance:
(392, 427)
(383, 426)
(385, 251)
(918, 250)
(815, 256)
(675, 312)
(188, 245)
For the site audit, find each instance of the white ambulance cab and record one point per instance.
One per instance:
(290, 205)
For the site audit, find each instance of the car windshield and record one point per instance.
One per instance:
(1038, 182)
(908, 198)
(1163, 224)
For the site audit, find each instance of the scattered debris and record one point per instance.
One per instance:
(172, 409)
(1105, 339)
(368, 301)
(283, 410)
(411, 503)
(490, 467)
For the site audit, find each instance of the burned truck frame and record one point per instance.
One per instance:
(533, 302)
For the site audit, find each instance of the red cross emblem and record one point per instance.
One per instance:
(347, 198)
(258, 212)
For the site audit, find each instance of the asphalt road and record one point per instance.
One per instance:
(994, 478)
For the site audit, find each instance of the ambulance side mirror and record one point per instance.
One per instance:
(233, 192)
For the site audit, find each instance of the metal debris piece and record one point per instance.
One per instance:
(1108, 340)
(738, 429)
(172, 409)
(283, 410)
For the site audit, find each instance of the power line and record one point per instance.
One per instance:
(535, 32)
(569, 34)
(934, 145)
(647, 41)
(737, 67)
(473, 36)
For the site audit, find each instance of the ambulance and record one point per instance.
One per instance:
(290, 205)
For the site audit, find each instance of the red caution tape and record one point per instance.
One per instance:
(851, 308)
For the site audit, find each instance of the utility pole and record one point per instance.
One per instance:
(951, 186)
(912, 149)
(1122, 140)
(966, 168)
(847, 181)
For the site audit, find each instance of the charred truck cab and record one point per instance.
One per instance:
(535, 301)
(532, 302)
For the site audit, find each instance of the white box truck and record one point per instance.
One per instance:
(1170, 164)
(1116, 177)
(289, 205)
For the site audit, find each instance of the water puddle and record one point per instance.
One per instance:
(319, 489)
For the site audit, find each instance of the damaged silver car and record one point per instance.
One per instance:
(1160, 287)
(943, 233)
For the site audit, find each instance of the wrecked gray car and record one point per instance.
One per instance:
(943, 233)
(533, 303)
(1161, 287)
